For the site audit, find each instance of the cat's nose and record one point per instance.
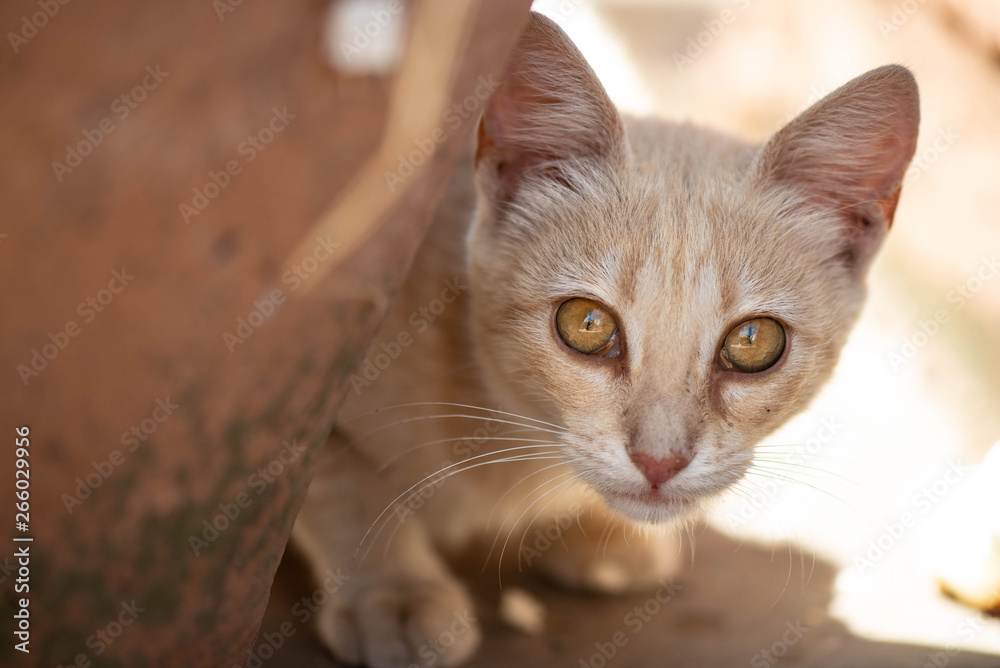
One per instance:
(658, 471)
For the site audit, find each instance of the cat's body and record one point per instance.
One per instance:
(681, 235)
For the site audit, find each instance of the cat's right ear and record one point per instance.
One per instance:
(847, 154)
(549, 107)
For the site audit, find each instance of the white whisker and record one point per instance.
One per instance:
(521, 516)
(451, 466)
(458, 439)
(421, 418)
(456, 405)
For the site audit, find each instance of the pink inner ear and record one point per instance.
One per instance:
(848, 155)
(888, 205)
(549, 107)
(484, 142)
(851, 149)
(887, 161)
(509, 162)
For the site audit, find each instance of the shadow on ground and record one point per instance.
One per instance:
(735, 603)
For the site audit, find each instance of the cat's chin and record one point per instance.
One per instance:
(650, 508)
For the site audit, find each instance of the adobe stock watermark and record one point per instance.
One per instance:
(99, 641)
(303, 610)
(418, 497)
(712, 29)
(922, 160)
(248, 150)
(229, 512)
(470, 445)
(753, 499)
(957, 299)
(41, 356)
(268, 305)
(432, 651)
(419, 322)
(453, 117)
(768, 656)
(542, 539)
(899, 16)
(635, 620)
(120, 109)
(464, 449)
(967, 630)
(921, 503)
(133, 437)
(31, 25)
(565, 8)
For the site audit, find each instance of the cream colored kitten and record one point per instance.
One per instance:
(644, 301)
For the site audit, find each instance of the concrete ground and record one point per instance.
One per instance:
(883, 463)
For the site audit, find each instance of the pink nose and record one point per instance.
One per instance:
(658, 471)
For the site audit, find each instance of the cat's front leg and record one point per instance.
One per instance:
(394, 607)
(593, 550)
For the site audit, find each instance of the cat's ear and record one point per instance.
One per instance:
(548, 107)
(848, 153)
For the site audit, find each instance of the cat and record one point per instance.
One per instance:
(607, 315)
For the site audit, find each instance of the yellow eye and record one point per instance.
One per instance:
(587, 327)
(754, 345)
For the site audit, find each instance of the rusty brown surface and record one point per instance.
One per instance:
(159, 340)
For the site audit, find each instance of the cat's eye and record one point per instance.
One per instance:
(754, 345)
(588, 328)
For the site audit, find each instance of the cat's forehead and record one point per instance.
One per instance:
(636, 235)
(654, 248)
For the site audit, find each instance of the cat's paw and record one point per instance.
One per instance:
(626, 560)
(385, 622)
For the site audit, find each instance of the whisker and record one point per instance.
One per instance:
(763, 505)
(442, 470)
(457, 405)
(457, 439)
(795, 465)
(489, 520)
(421, 418)
(520, 546)
(829, 454)
(513, 458)
(823, 475)
(517, 521)
(513, 510)
(689, 529)
(600, 539)
(759, 498)
(614, 525)
(788, 544)
(774, 476)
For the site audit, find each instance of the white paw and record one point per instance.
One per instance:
(385, 622)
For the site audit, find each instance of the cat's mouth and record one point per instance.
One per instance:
(650, 505)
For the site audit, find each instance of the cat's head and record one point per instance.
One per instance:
(669, 295)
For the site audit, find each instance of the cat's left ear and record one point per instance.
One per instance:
(549, 107)
(847, 154)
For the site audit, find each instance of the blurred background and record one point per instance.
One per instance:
(881, 497)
